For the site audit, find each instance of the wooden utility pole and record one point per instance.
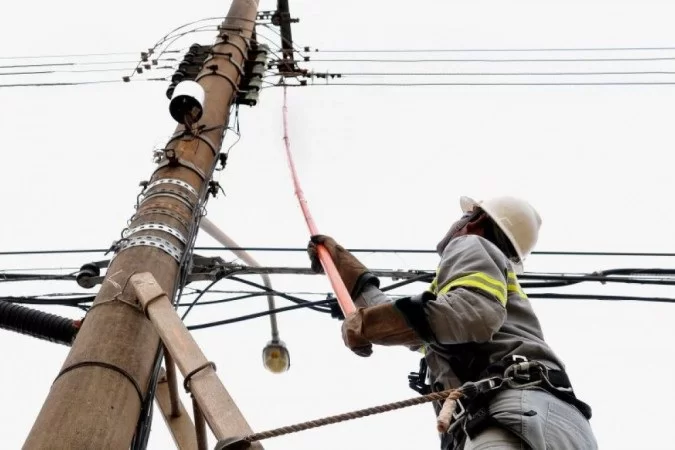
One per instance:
(95, 400)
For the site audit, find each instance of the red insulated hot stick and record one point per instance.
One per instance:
(339, 288)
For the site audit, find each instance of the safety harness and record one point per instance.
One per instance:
(472, 415)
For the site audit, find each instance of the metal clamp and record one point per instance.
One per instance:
(175, 182)
(188, 135)
(224, 39)
(215, 72)
(154, 226)
(227, 55)
(150, 241)
(177, 195)
(161, 210)
(180, 162)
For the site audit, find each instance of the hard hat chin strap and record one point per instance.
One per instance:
(456, 228)
(478, 222)
(495, 235)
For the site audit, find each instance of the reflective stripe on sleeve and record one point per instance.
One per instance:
(433, 287)
(513, 286)
(480, 281)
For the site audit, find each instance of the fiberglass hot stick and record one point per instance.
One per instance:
(343, 297)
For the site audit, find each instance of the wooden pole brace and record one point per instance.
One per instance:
(219, 409)
(181, 427)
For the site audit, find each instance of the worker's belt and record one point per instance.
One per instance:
(558, 382)
(472, 415)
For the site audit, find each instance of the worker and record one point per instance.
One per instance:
(474, 322)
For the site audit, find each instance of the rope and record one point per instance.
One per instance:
(453, 394)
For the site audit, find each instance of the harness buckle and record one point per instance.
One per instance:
(518, 358)
(520, 368)
(460, 410)
(472, 390)
(489, 384)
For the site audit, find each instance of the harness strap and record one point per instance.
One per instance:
(472, 415)
(556, 382)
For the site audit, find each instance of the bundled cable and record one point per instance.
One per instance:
(39, 324)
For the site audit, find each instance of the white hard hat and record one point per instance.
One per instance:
(519, 221)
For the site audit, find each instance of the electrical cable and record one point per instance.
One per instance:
(168, 36)
(303, 49)
(550, 295)
(600, 277)
(75, 83)
(333, 301)
(280, 294)
(353, 250)
(603, 83)
(201, 294)
(36, 323)
(461, 50)
(80, 55)
(36, 300)
(500, 74)
(76, 63)
(663, 277)
(490, 60)
(249, 294)
(7, 277)
(167, 48)
(309, 305)
(49, 72)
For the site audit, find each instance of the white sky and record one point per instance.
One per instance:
(381, 167)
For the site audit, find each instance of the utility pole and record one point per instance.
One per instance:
(95, 400)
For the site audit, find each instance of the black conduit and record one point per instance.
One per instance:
(36, 323)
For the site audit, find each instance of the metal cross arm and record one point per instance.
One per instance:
(214, 402)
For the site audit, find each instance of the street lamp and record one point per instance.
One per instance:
(276, 357)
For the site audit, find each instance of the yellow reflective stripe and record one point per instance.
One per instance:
(514, 286)
(433, 287)
(516, 289)
(480, 281)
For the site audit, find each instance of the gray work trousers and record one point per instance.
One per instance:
(549, 424)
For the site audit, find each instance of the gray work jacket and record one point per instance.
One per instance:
(473, 314)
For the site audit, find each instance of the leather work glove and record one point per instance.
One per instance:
(353, 273)
(382, 324)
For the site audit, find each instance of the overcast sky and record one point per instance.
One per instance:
(381, 167)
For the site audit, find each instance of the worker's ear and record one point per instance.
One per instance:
(477, 224)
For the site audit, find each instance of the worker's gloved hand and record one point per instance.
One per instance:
(353, 273)
(382, 324)
(353, 337)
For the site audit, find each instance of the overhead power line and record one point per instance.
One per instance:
(75, 63)
(459, 74)
(360, 50)
(353, 250)
(74, 55)
(460, 50)
(50, 72)
(601, 83)
(333, 301)
(75, 83)
(491, 60)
